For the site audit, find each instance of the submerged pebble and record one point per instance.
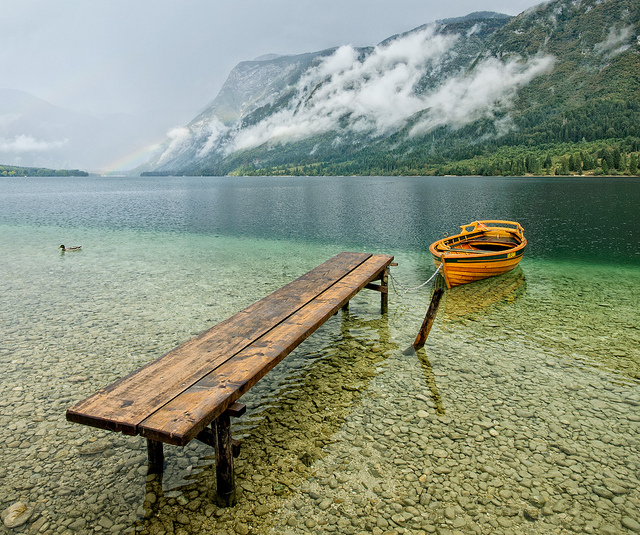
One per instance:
(16, 515)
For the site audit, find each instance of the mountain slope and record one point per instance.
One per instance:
(253, 90)
(564, 71)
(36, 133)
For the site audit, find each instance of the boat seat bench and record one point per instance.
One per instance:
(192, 391)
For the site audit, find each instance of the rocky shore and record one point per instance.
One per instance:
(359, 436)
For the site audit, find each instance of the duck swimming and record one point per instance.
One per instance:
(65, 249)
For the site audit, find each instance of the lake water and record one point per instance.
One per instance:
(521, 415)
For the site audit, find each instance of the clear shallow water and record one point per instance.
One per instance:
(527, 391)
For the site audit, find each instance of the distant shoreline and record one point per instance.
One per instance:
(13, 171)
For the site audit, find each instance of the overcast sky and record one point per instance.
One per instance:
(172, 57)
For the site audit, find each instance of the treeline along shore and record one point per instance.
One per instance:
(12, 170)
(599, 158)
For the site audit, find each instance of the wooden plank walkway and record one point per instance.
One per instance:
(175, 397)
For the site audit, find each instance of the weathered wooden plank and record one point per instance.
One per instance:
(180, 420)
(122, 405)
(377, 288)
(183, 417)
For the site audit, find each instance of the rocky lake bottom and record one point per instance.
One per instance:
(520, 415)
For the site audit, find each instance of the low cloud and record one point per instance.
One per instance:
(491, 87)
(374, 94)
(616, 42)
(26, 143)
(179, 140)
(215, 130)
(377, 94)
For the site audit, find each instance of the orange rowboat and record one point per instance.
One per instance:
(483, 249)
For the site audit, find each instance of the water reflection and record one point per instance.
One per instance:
(483, 296)
(430, 380)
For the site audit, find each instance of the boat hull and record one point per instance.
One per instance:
(463, 258)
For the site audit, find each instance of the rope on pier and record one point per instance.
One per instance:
(394, 282)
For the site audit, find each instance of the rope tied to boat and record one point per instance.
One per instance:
(395, 283)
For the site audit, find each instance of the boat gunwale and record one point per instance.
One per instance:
(516, 231)
(507, 258)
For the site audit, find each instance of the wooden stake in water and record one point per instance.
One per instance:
(429, 318)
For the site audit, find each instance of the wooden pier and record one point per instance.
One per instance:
(192, 391)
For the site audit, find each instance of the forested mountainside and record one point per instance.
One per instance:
(554, 90)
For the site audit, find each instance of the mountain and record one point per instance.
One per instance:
(487, 92)
(35, 133)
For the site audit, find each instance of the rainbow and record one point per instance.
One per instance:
(132, 160)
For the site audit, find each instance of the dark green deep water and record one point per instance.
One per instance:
(592, 220)
(164, 258)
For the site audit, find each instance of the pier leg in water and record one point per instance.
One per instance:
(384, 298)
(429, 318)
(226, 450)
(155, 456)
(225, 477)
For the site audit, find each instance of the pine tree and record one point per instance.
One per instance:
(617, 157)
(587, 161)
(609, 157)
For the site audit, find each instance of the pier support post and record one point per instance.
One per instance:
(155, 456)
(225, 476)
(225, 449)
(384, 296)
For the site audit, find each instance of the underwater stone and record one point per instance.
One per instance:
(15, 515)
(94, 447)
(631, 524)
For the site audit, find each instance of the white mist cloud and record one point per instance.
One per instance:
(490, 87)
(180, 138)
(616, 42)
(26, 143)
(474, 29)
(376, 94)
(215, 130)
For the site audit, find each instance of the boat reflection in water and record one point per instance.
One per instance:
(464, 301)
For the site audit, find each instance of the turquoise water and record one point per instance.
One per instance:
(353, 415)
